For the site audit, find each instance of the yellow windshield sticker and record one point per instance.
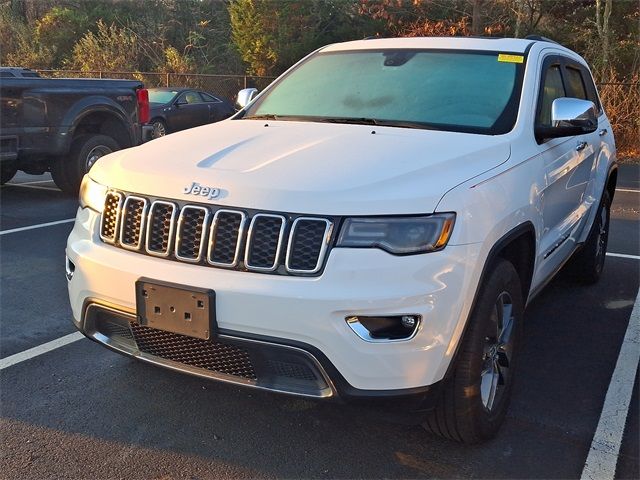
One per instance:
(503, 57)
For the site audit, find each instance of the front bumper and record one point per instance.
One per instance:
(307, 314)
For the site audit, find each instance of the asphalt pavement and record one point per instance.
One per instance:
(82, 411)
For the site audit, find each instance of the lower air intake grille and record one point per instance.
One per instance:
(217, 357)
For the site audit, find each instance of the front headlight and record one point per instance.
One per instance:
(92, 194)
(398, 235)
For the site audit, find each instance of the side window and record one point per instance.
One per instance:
(592, 93)
(191, 98)
(552, 88)
(210, 98)
(575, 83)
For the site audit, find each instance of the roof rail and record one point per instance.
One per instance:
(540, 38)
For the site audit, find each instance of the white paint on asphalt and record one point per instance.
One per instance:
(30, 183)
(40, 225)
(632, 190)
(39, 350)
(37, 187)
(623, 255)
(605, 447)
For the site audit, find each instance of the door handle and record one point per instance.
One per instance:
(603, 132)
(580, 146)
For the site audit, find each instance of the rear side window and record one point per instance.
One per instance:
(575, 83)
(6, 75)
(209, 98)
(592, 93)
(552, 88)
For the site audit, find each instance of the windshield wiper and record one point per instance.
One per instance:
(265, 116)
(355, 120)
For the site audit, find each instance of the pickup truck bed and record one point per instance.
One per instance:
(65, 125)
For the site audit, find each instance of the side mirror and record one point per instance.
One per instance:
(180, 103)
(569, 117)
(245, 96)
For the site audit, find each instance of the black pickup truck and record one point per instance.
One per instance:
(64, 125)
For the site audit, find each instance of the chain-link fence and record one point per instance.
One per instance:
(226, 86)
(621, 100)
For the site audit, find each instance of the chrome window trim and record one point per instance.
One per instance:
(213, 228)
(172, 221)
(116, 228)
(250, 238)
(145, 202)
(205, 226)
(323, 248)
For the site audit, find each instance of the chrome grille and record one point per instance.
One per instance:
(110, 217)
(227, 238)
(132, 222)
(192, 224)
(263, 246)
(160, 223)
(224, 241)
(308, 241)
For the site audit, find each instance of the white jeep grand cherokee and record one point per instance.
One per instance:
(371, 226)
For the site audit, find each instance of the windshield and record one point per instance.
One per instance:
(161, 96)
(465, 91)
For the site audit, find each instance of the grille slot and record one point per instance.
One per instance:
(110, 216)
(210, 355)
(308, 241)
(192, 225)
(132, 222)
(225, 237)
(264, 242)
(160, 227)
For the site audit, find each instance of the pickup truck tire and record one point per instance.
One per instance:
(474, 399)
(586, 265)
(67, 172)
(8, 171)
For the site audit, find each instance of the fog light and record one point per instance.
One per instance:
(384, 328)
(409, 321)
(69, 268)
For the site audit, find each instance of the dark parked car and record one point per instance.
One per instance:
(174, 109)
(18, 72)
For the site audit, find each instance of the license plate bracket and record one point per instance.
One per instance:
(176, 308)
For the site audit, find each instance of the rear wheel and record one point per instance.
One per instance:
(587, 264)
(475, 399)
(8, 170)
(67, 172)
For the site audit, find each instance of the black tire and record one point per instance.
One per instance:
(159, 128)
(466, 411)
(8, 170)
(586, 265)
(67, 172)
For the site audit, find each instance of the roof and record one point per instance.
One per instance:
(457, 43)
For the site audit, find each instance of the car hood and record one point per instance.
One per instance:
(305, 167)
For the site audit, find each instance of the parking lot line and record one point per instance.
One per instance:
(605, 447)
(40, 349)
(633, 190)
(30, 183)
(623, 255)
(40, 225)
(37, 187)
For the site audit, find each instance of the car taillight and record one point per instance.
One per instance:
(143, 105)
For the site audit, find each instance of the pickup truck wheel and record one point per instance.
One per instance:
(474, 400)
(159, 128)
(8, 171)
(587, 264)
(85, 151)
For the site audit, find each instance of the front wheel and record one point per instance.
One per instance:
(475, 398)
